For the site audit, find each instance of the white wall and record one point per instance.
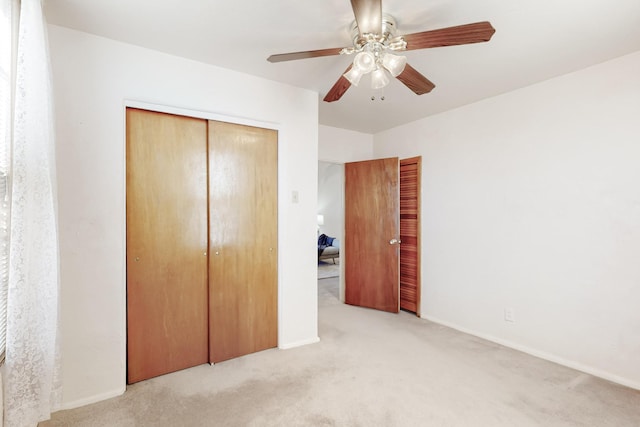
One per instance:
(531, 200)
(341, 146)
(93, 77)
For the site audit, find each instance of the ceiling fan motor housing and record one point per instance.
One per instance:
(387, 31)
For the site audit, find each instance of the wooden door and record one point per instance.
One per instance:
(410, 170)
(166, 243)
(372, 231)
(243, 239)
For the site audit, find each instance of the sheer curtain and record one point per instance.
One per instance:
(31, 380)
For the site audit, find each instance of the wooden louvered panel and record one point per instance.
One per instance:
(409, 187)
(408, 270)
(410, 196)
(408, 291)
(411, 241)
(410, 234)
(409, 263)
(409, 208)
(409, 169)
(410, 282)
(410, 202)
(408, 228)
(410, 191)
(408, 296)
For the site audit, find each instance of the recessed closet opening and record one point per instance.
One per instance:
(202, 241)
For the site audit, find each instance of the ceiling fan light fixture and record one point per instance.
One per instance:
(379, 79)
(365, 62)
(353, 75)
(394, 63)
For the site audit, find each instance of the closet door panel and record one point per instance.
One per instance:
(410, 171)
(243, 240)
(167, 300)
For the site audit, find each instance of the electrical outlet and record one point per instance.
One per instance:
(509, 315)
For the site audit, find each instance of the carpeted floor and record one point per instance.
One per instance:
(327, 269)
(371, 369)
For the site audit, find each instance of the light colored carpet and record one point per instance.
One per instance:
(371, 369)
(327, 269)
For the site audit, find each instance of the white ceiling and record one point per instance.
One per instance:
(534, 41)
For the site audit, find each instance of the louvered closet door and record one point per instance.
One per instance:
(167, 326)
(243, 239)
(410, 170)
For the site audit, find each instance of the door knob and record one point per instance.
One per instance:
(394, 242)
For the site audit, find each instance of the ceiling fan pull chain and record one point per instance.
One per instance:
(381, 97)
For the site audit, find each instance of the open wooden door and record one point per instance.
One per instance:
(372, 233)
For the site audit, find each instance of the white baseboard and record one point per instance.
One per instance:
(93, 399)
(542, 355)
(298, 343)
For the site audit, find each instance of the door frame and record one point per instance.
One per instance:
(341, 285)
(206, 115)
(341, 231)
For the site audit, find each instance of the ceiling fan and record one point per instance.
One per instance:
(375, 44)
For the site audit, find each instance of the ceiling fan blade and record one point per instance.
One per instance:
(339, 88)
(304, 55)
(451, 36)
(415, 81)
(368, 15)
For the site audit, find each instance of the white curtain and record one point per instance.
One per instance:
(32, 389)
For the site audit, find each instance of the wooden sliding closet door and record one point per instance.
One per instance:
(166, 243)
(243, 237)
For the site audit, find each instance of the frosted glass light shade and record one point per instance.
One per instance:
(379, 79)
(394, 63)
(353, 75)
(365, 62)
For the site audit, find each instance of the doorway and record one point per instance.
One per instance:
(382, 234)
(330, 218)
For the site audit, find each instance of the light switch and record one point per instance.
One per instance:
(294, 196)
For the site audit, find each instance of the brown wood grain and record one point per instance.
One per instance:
(450, 36)
(415, 81)
(243, 239)
(371, 221)
(410, 182)
(368, 15)
(280, 57)
(339, 88)
(166, 209)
